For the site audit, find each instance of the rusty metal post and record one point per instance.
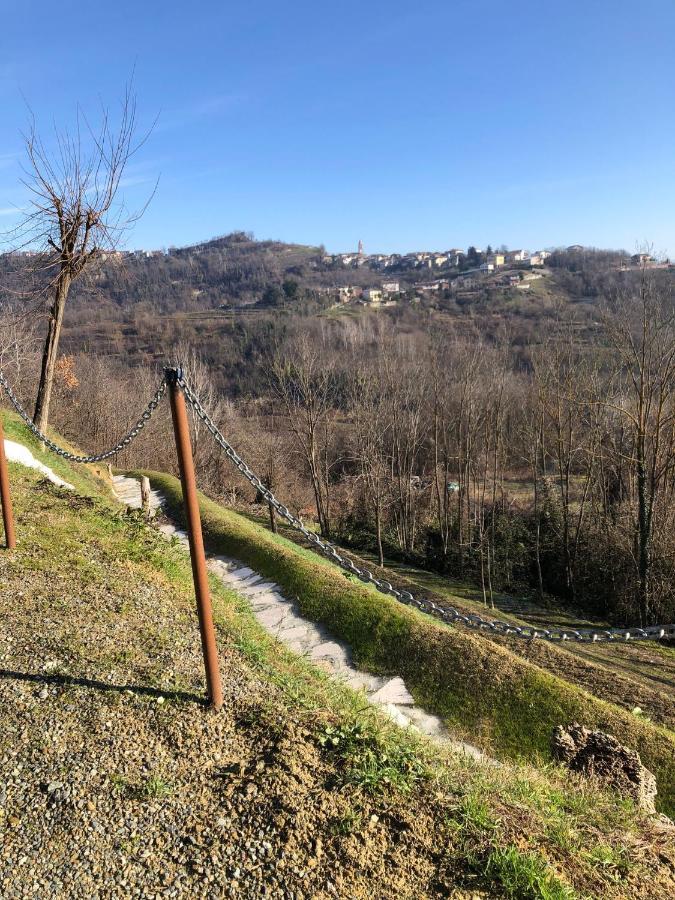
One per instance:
(194, 528)
(5, 495)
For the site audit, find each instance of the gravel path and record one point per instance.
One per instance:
(281, 618)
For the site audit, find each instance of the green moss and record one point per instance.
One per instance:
(485, 693)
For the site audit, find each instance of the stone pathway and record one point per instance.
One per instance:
(128, 491)
(281, 618)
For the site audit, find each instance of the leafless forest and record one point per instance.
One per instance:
(539, 463)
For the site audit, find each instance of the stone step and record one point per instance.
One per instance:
(394, 691)
(398, 716)
(425, 722)
(293, 633)
(273, 616)
(336, 653)
(242, 573)
(269, 598)
(282, 619)
(263, 587)
(364, 681)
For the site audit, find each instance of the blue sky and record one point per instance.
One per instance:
(408, 125)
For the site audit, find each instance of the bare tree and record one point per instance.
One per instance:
(96, 406)
(75, 212)
(303, 379)
(404, 378)
(531, 427)
(459, 424)
(17, 343)
(268, 447)
(372, 443)
(565, 381)
(200, 375)
(642, 334)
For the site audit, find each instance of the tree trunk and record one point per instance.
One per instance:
(378, 530)
(321, 491)
(537, 536)
(644, 538)
(50, 353)
(268, 481)
(145, 496)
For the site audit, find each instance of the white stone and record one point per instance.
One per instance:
(425, 722)
(359, 681)
(394, 691)
(242, 572)
(260, 588)
(395, 713)
(281, 618)
(271, 617)
(264, 600)
(294, 633)
(17, 453)
(332, 651)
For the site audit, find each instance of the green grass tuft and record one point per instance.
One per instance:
(368, 762)
(524, 876)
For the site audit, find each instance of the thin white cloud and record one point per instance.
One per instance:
(201, 109)
(133, 180)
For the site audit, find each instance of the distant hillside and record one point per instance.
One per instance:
(237, 270)
(234, 296)
(234, 269)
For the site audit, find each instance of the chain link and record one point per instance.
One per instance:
(446, 613)
(122, 444)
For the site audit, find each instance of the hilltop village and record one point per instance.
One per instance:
(236, 273)
(456, 271)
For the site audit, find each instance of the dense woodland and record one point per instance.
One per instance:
(527, 448)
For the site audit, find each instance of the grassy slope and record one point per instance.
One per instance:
(486, 694)
(397, 817)
(379, 799)
(637, 674)
(87, 480)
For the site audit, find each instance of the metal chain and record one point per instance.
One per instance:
(97, 457)
(446, 613)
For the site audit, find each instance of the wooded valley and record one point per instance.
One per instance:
(526, 444)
